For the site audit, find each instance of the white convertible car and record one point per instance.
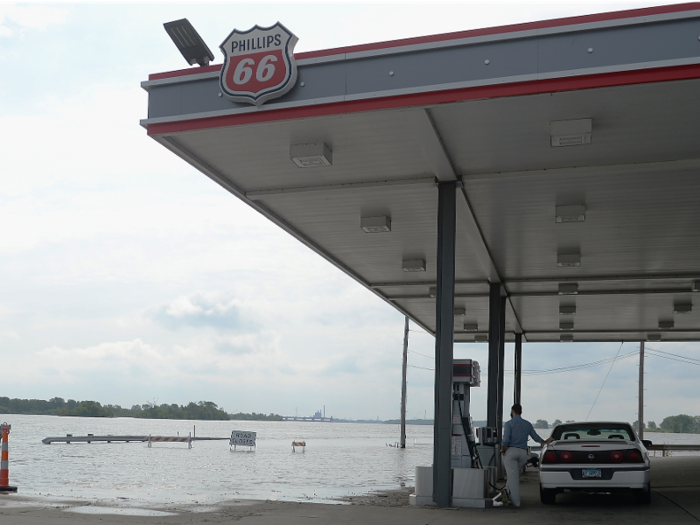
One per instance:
(595, 457)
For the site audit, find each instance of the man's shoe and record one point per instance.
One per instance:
(504, 497)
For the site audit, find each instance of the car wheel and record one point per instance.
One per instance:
(643, 496)
(548, 496)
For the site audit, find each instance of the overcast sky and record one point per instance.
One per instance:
(126, 276)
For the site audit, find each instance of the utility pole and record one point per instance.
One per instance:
(403, 384)
(640, 415)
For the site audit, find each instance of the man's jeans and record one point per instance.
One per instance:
(514, 462)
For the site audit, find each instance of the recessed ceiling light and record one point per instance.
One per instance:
(471, 327)
(568, 260)
(413, 265)
(573, 213)
(481, 338)
(460, 312)
(375, 224)
(653, 337)
(432, 291)
(566, 325)
(682, 308)
(666, 325)
(570, 132)
(568, 288)
(567, 310)
(566, 338)
(696, 286)
(313, 155)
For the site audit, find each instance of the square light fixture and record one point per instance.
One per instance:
(653, 337)
(570, 132)
(313, 155)
(568, 288)
(573, 213)
(566, 325)
(471, 327)
(682, 308)
(481, 338)
(696, 286)
(414, 265)
(460, 312)
(567, 309)
(375, 224)
(432, 291)
(666, 325)
(567, 260)
(566, 338)
(188, 41)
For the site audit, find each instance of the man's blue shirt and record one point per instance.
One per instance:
(516, 432)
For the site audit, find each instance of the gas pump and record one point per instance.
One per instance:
(470, 480)
(466, 374)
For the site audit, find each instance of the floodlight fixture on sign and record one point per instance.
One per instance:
(413, 265)
(653, 337)
(570, 132)
(566, 338)
(312, 155)
(375, 224)
(573, 213)
(682, 308)
(566, 325)
(666, 325)
(189, 42)
(471, 327)
(568, 260)
(568, 288)
(567, 310)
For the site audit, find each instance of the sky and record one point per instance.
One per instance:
(128, 277)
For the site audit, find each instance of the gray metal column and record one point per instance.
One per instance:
(403, 384)
(444, 342)
(640, 413)
(518, 367)
(501, 367)
(494, 344)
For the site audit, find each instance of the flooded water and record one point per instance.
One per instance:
(340, 459)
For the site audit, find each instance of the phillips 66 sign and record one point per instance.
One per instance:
(259, 64)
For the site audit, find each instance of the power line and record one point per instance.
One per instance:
(418, 353)
(604, 381)
(421, 367)
(578, 367)
(680, 359)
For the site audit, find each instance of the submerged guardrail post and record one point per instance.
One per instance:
(5, 461)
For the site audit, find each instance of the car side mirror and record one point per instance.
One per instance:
(647, 443)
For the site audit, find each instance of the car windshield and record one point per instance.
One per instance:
(593, 431)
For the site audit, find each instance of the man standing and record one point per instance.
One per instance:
(514, 450)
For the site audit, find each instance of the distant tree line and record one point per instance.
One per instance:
(57, 406)
(240, 416)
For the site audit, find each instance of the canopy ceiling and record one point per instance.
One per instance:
(635, 75)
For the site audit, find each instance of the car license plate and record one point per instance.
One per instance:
(592, 473)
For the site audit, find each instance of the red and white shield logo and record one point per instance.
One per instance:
(259, 64)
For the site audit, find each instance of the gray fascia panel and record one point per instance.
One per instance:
(621, 47)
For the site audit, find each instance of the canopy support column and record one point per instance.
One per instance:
(518, 367)
(444, 342)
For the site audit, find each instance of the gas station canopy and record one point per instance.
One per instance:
(575, 144)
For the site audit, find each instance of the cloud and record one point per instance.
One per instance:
(17, 18)
(199, 310)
